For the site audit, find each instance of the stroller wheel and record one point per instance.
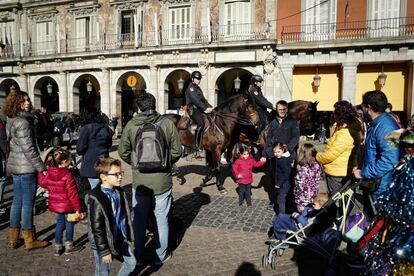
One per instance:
(273, 261)
(280, 252)
(264, 261)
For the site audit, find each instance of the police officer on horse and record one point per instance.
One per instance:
(261, 104)
(197, 105)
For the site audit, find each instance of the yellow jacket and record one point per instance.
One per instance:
(340, 154)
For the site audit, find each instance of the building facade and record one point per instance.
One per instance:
(72, 54)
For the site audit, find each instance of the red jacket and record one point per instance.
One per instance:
(63, 194)
(245, 167)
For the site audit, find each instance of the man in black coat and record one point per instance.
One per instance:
(197, 104)
(284, 129)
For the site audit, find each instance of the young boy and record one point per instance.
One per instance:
(292, 222)
(110, 228)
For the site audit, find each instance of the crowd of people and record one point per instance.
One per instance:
(115, 233)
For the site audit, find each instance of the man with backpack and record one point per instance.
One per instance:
(151, 145)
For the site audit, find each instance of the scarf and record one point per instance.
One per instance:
(119, 214)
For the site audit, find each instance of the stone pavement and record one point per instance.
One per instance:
(211, 235)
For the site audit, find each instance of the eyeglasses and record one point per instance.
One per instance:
(117, 174)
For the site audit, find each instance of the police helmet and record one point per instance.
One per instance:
(196, 75)
(256, 78)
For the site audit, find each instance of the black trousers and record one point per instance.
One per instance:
(245, 192)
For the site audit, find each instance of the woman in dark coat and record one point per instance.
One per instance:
(95, 140)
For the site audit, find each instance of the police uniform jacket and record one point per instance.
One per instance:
(259, 99)
(194, 96)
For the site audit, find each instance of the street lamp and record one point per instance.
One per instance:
(237, 83)
(12, 88)
(89, 87)
(382, 77)
(180, 83)
(317, 78)
(49, 88)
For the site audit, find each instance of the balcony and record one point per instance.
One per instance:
(401, 27)
(169, 37)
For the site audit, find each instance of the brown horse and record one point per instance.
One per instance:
(219, 131)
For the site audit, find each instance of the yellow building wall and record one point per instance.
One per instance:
(328, 92)
(395, 87)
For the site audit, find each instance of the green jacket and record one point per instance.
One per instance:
(151, 183)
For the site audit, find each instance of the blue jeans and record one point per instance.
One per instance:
(24, 189)
(3, 182)
(128, 265)
(61, 222)
(143, 206)
(93, 182)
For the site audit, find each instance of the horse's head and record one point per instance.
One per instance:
(306, 113)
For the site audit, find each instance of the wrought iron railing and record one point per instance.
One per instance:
(179, 36)
(9, 51)
(390, 27)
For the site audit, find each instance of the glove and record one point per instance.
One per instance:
(208, 110)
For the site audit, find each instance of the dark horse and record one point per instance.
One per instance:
(219, 129)
(303, 111)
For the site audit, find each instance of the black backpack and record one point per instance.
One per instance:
(151, 152)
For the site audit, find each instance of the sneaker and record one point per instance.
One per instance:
(249, 204)
(240, 203)
(163, 261)
(58, 250)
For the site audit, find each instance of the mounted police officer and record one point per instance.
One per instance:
(260, 103)
(197, 104)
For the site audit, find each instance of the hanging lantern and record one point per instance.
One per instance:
(89, 87)
(237, 83)
(49, 88)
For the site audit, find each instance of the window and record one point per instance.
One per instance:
(44, 37)
(82, 33)
(180, 23)
(127, 28)
(384, 17)
(318, 19)
(237, 18)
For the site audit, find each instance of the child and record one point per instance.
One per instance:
(282, 167)
(307, 177)
(242, 170)
(63, 198)
(110, 228)
(292, 222)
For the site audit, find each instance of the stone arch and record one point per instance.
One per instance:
(82, 98)
(174, 97)
(126, 92)
(42, 86)
(225, 85)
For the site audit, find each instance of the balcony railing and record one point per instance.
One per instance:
(390, 27)
(179, 36)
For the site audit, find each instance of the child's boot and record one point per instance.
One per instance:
(58, 249)
(70, 248)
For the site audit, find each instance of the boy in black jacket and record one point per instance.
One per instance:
(110, 228)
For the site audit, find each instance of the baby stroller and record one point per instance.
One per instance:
(321, 234)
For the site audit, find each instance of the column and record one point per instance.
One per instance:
(73, 96)
(286, 82)
(105, 88)
(23, 82)
(349, 72)
(63, 92)
(411, 90)
(152, 87)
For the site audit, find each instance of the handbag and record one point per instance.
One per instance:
(66, 136)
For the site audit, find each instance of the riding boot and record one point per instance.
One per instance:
(198, 138)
